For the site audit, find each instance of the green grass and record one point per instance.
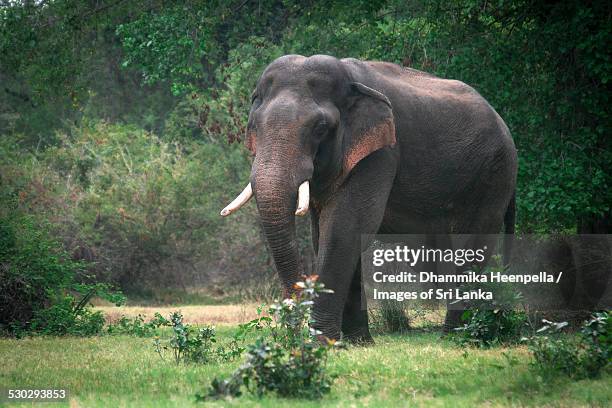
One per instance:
(412, 369)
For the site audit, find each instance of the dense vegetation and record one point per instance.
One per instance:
(120, 121)
(39, 283)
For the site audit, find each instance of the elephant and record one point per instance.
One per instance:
(369, 147)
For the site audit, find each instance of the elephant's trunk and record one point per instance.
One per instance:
(281, 192)
(276, 203)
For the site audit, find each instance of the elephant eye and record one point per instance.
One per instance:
(255, 102)
(320, 129)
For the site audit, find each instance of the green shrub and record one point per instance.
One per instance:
(493, 322)
(143, 211)
(65, 316)
(43, 290)
(291, 360)
(579, 357)
(189, 344)
(486, 327)
(137, 326)
(597, 334)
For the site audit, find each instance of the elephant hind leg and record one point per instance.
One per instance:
(454, 310)
(355, 315)
(452, 320)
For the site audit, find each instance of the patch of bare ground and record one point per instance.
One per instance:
(207, 314)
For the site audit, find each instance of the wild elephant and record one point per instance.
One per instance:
(370, 147)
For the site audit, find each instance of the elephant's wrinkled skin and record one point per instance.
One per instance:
(386, 149)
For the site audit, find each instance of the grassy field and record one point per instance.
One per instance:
(415, 369)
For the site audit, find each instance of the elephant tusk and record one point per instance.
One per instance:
(303, 199)
(239, 201)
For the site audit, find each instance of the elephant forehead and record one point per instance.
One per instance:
(324, 64)
(318, 71)
(283, 121)
(287, 66)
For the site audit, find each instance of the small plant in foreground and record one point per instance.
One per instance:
(189, 344)
(579, 357)
(291, 361)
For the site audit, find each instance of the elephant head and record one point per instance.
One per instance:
(311, 122)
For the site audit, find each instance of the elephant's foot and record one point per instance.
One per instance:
(358, 336)
(326, 340)
(364, 340)
(452, 321)
(328, 323)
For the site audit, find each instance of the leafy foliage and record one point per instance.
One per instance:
(598, 333)
(547, 68)
(584, 357)
(290, 361)
(493, 322)
(133, 203)
(44, 291)
(89, 87)
(137, 326)
(189, 344)
(490, 327)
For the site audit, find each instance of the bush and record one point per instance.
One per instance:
(137, 326)
(188, 344)
(42, 288)
(192, 345)
(582, 357)
(145, 204)
(597, 333)
(486, 328)
(65, 316)
(290, 361)
(143, 211)
(493, 322)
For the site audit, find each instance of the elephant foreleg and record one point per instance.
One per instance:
(356, 208)
(355, 316)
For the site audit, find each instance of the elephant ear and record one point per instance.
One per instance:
(369, 126)
(250, 142)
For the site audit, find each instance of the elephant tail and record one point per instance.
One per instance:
(509, 223)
